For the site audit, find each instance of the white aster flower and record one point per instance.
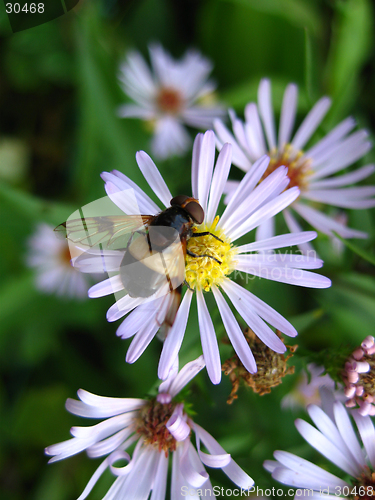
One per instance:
(171, 95)
(157, 427)
(335, 438)
(50, 258)
(251, 205)
(313, 170)
(307, 390)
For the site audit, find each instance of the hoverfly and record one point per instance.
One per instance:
(153, 248)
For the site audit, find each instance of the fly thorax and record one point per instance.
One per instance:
(152, 423)
(299, 167)
(216, 257)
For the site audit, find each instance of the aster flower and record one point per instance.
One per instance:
(158, 428)
(50, 258)
(335, 438)
(171, 95)
(307, 390)
(313, 170)
(249, 207)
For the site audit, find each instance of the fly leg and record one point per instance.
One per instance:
(192, 254)
(206, 233)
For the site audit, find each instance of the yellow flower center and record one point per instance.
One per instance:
(299, 167)
(204, 272)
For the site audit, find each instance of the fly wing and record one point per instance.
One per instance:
(106, 231)
(173, 303)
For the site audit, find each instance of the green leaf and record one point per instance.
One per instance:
(15, 293)
(34, 208)
(357, 250)
(350, 48)
(304, 321)
(296, 12)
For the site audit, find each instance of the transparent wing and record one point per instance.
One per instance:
(174, 301)
(103, 230)
(153, 261)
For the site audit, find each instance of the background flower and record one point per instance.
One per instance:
(336, 440)
(51, 260)
(312, 170)
(174, 93)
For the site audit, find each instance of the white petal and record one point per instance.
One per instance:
(367, 432)
(191, 466)
(254, 132)
(224, 136)
(324, 223)
(209, 341)
(268, 210)
(261, 308)
(122, 307)
(266, 111)
(292, 276)
(256, 199)
(160, 485)
(106, 287)
(234, 333)
(195, 164)
(311, 122)
(241, 190)
(346, 430)
(141, 341)
(123, 183)
(281, 241)
(219, 179)
(232, 470)
(331, 139)
(153, 177)
(306, 468)
(325, 447)
(174, 338)
(288, 114)
(295, 228)
(186, 374)
(244, 304)
(170, 138)
(205, 168)
(343, 180)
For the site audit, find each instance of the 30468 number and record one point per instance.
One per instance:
(33, 8)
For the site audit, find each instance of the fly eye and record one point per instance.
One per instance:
(179, 200)
(195, 211)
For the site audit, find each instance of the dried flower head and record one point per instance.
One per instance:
(272, 367)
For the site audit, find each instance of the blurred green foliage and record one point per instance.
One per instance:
(58, 100)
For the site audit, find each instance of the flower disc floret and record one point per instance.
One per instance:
(204, 272)
(153, 419)
(299, 167)
(169, 100)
